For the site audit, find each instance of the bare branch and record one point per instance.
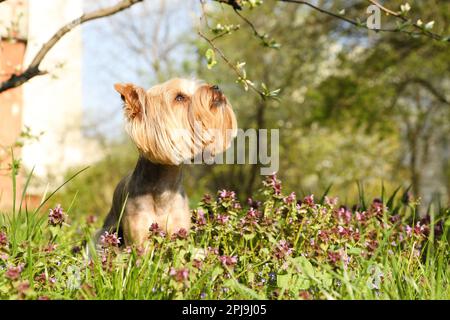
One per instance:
(33, 69)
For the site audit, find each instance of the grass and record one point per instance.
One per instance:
(274, 247)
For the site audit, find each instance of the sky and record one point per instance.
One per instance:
(107, 58)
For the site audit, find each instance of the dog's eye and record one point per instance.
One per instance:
(180, 97)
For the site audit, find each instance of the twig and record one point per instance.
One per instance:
(252, 26)
(395, 14)
(353, 22)
(33, 69)
(234, 68)
(415, 25)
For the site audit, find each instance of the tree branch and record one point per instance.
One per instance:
(397, 15)
(33, 69)
(232, 67)
(415, 25)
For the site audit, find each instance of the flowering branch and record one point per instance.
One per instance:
(241, 75)
(33, 70)
(418, 25)
(423, 30)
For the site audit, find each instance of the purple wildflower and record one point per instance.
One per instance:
(213, 250)
(408, 230)
(50, 247)
(155, 230)
(283, 249)
(56, 216)
(309, 201)
(13, 273)
(197, 263)
(331, 201)
(344, 215)
(253, 203)
(222, 219)
(182, 233)
(290, 198)
(3, 239)
(225, 195)
(207, 199)
(200, 219)
(22, 289)
(274, 183)
(180, 275)
(109, 240)
(228, 261)
(91, 219)
(334, 257)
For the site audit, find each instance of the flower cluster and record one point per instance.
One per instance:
(275, 246)
(108, 240)
(56, 216)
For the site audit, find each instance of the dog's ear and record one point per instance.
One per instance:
(133, 98)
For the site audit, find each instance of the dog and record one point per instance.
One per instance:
(170, 124)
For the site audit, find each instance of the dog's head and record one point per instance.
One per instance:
(175, 121)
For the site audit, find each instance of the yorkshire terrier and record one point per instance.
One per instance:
(171, 124)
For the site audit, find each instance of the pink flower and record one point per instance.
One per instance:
(408, 230)
(3, 239)
(334, 257)
(182, 233)
(201, 220)
(274, 183)
(156, 230)
(344, 215)
(22, 289)
(91, 219)
(253, 203)
(290, 198)
(197, 263)
(331, 201)
(207, 199)
(222, 219)
(283, 249)
(109, 240)
(13, 273)
(225, 195)
(180, 275)
(228, 261)
(213, 250)
(309, 201)
(56, 216)
(50, 247)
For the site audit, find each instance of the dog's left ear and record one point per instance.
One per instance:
(134, 98)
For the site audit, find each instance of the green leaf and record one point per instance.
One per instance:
(210, 58)
(249, 236)
(305, 265)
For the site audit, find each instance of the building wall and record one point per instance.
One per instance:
(12, 54)
(12, 51)
(49, 105)
(53, 103)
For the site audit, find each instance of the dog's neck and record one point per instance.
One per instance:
(150, 177)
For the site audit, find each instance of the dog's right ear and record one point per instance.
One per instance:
(133, 98)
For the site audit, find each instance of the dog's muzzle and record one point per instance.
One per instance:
(218, 97)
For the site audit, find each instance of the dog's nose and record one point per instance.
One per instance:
(215, 87)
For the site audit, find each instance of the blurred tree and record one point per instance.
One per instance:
(388, 87)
